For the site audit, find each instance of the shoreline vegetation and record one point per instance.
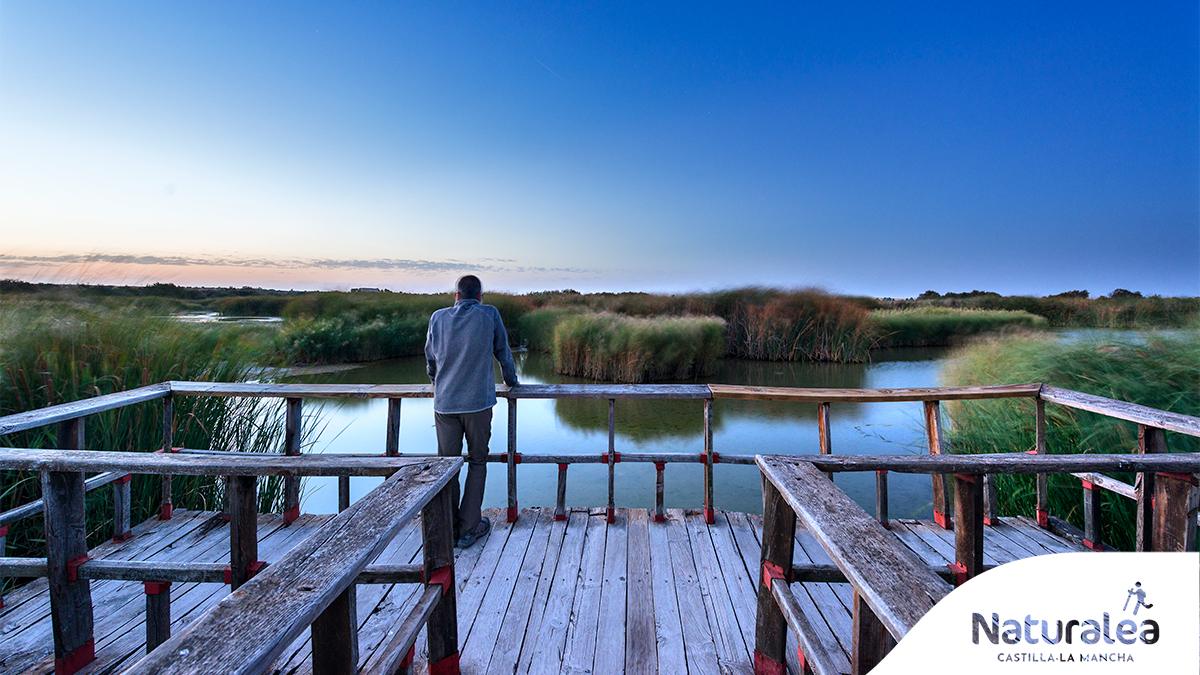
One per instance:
(626, 337)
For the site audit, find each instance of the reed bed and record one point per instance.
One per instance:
(944, 326)
(625, 349)
(52, 354)
(1158, 371)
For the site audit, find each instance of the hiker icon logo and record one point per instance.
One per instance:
(1138, 593)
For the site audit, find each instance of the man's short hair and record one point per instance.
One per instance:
(469, 287)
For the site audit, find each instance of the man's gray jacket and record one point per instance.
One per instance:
(458, 354)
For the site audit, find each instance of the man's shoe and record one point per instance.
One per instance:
(468, 539)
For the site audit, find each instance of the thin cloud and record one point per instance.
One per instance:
(381, 264)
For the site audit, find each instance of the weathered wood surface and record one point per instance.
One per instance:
(816, 658)
(284, 600)
(814, 395)
(1130, 412)
(503, 601)
(31, 419)
(891, 579)
(66, 541)
(34, 507)
(257, 390)
(622, 391)
(1108, 483)
(207, 464)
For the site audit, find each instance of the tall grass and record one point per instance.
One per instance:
(794, 326)
(1162, 372)
(536, 328)
(625, 349)
(342, 339)
(52, 353)
(942, 326)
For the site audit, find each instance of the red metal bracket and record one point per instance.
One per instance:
(447, 666)
(710, 516)
(1087, 484)
(171, 450)
(801, 661)
(716, 458)
(1093, 545)
(765, 665)
(942, 520)
(73, 568)
(3, 530)
(960, 573)
(76, 659)
(407, 661)
(512, 514)
(659, 466)
(127, 478)
(1185, 477)
(610, 515)
(1043, 518)
(251, 570)
(771, 572)
(516, 457)
(616, 458)
(989, 521)
(157, 587)
(165, 511)
(660, 518)
(442, 576)
(560, 517)
(562, 466)
(291, 515)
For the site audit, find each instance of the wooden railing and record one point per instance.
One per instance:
(1165, 488)
(893, 589)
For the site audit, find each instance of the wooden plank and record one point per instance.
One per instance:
(898, 588)
(941, 484)
(872, 639)
(1130, 412)
(699, 643)
(580, 652)
(335, 636)
(437, 535)
(392, 441)
(733, 654)
(1032, 531)
(487, 596)
(641, 656)
(1042, 481)
(293, 434)
(166, 504)
(816, 395)
(1108, 483)
(66, 543)
(511, 461)
(243, 529)
(968, 525)
(621, 391)
(881, 497)
(742, 598)
(31, 419)
(1016, 463)
(668, 625)
(816, 659)
(35, 507)
(522, 620)
(611, 630)
(1091, 516)
(121, 507)
(709, 462)
(285, 599)
(158, 613)
(388, 659)
(546, 649)
(267, 390)
(1176, 499)
(1151, 442)
(223, 464)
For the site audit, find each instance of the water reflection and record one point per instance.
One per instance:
(579, 426)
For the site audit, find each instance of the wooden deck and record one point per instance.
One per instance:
(536, 596)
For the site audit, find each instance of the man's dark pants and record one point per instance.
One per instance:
(477, 427)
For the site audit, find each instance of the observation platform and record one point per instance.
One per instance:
(538, 595)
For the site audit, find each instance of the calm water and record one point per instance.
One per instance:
(580, 427)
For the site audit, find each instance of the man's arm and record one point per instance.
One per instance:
(430, 359)
(503, 352)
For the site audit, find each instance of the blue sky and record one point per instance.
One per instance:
(879, 149)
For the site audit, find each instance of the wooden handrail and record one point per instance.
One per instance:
(1130, 412)
(239, 464)
(247, 630)
(31, 419)
(814, 395)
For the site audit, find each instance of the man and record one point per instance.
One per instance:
(459, 348)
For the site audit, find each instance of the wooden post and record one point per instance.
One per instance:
(392, 443)
(824, 433)
(612, 459)
(1091, 516)
(990, 500)
(560, 505)
(709, 461)
(158, 613)
(291, 446)
(343, 493)
(1150, 440)
(1043, 484)
(3, 552)
(881, 496)
(778, 542)
(512, 460)
(1176, 502)
(941, 485)
(165, 505)
(66, 547)
(335, 636)
(121, 506)
(968, 526)
(243, 529)
(437, 531)
(660, 514)
(871, 641)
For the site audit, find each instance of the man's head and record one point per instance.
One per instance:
(468, 287)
